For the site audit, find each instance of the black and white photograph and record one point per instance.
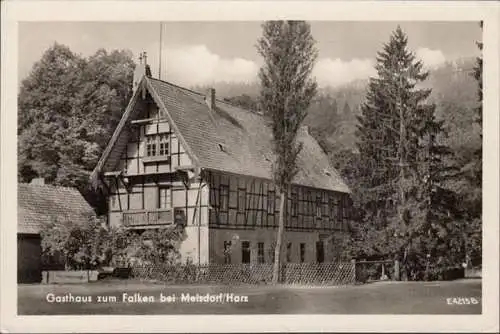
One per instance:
(281, 166)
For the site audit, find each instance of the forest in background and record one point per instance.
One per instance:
(332, 116)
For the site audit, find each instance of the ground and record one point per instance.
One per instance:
(375, 298)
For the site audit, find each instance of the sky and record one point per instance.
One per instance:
(200, 53)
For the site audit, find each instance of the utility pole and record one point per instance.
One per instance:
(159, 58)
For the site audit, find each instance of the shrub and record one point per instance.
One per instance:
(75, 246)
(93, 245)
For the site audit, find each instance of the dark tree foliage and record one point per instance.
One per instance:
(347, 109)
(404, 169)
(474, 171)
(68, 108)
(385, 141)
(244, 101)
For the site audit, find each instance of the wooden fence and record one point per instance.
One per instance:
(322, 274)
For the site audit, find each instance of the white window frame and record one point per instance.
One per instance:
(166, 198)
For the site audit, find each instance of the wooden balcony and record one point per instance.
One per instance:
(148, 218)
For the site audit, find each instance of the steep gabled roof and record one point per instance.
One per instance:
(39, 204)
(229, 138)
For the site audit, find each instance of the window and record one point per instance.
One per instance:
(302, 252)
(151, 146)
(318, 205)
(346, 207)
(320, 252)
(227, 252)
(260, 252)
(165, 198)
(295, 204)
(242, 200)
(224, 198)
(309, 204)
(271, 198)
(289, 252)
(163, 144)
(325, 204)
(340, 209)
(157, 145)
(245, 252)
(333, 207)
(271, 254)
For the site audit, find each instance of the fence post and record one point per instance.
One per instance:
(353, 262)
(397, 274)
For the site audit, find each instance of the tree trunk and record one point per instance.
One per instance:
(279, 239)
(402, 162)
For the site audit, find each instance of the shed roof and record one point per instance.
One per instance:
(228, 139)
(39, 204)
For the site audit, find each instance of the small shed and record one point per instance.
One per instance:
(38, 204)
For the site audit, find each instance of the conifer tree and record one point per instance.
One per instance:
(475, 171)
(347, 110)
(403, 169)
(433, 231)
(287, 90)
(386, 143)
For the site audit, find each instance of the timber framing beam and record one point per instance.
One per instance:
(146, 120)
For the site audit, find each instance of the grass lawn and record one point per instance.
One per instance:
(375, 298)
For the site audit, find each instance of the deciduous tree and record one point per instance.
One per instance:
(287, 89)
(68, 109)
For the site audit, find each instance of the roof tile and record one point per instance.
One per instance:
(39, 204)
(245, 135)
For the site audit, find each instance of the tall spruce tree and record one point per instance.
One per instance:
(287, 90)
(433, 233)
(475, 172)
(383, 136)
(402, 163)
(347, 110)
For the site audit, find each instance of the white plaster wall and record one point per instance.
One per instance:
(189, 247)
(268, 237)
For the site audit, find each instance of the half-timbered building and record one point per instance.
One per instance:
(181, 157)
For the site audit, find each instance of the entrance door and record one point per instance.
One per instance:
(320, 251)
(245, 252)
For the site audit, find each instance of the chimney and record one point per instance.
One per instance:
(210, 98)
(141, 70)
(39, 181)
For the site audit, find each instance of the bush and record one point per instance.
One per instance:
(93, 245)
(77, 247)
(157, 246)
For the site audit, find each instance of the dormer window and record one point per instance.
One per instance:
(222, 147)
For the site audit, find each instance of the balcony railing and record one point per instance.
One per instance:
(148, 218)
